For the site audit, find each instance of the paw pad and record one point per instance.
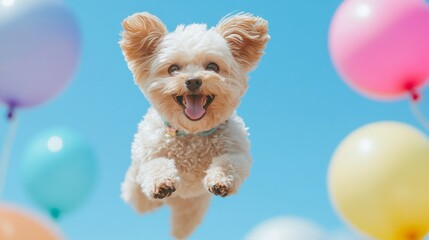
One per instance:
(163, 190)
(219, 189)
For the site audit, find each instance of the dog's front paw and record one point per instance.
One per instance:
(163, 190)
(219, 184)
(219, 189)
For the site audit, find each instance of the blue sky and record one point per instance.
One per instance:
(297, 108)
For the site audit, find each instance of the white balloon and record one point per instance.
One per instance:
(286, 228)
(295, 228)
(345, 235)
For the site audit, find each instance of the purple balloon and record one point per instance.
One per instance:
(39, 52)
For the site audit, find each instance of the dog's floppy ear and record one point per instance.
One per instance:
(246, 36)
(140, 38)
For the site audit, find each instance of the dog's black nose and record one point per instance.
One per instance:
(193, 83)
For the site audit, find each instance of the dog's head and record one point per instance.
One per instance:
(194, 77)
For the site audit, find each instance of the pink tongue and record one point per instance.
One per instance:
(195, 106)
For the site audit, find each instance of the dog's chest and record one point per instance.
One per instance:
(193, 154)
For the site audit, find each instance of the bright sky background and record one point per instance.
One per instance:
(297, 108)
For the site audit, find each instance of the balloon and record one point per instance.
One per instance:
(58, 170)
(18, 224)
(380, 46)
(39, 51)
(378, 181)
(294, 228)
(286, 228)
(344, 235)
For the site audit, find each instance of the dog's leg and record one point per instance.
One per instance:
(187, 214)
(227, 173)
(157, 178)
(131, 193)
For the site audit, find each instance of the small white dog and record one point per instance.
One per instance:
(190, 144)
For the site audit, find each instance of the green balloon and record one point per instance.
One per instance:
(59, 170)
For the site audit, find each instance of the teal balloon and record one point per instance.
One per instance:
(59, 170)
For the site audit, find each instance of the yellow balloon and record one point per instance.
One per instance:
(379, 181)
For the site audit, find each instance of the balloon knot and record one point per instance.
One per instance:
(415, 96)
(11, 112)
(412, 236)
(55, 213)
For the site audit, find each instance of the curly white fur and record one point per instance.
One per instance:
(184, 171)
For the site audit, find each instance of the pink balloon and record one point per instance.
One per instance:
(381, 47)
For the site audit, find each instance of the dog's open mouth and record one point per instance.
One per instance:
(194, 106)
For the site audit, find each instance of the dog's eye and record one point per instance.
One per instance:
(173, 68)
(212, 67)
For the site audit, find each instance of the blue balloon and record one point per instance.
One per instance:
(59, 170)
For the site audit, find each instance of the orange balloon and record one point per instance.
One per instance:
(18, 224)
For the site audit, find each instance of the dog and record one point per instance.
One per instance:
(190, 145)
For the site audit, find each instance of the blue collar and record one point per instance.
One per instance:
(179, 133)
